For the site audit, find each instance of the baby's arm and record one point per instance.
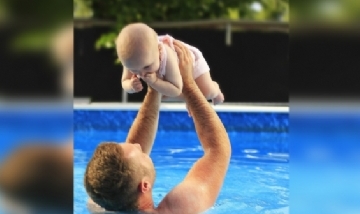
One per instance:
(126, 80)
(129, 82)
(172, 84)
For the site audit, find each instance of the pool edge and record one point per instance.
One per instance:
(181, 107)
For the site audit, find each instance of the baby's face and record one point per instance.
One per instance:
(146, 62)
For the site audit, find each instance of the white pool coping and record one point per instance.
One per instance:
(181, 107)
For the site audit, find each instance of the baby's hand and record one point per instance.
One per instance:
(150, 78)
(136, 83)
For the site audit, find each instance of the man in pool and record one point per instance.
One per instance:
(37, 177)
(120, 177)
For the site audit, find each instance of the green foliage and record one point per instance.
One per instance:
(270, 10)
(40, 13)
(83, 9)
(35, 22)
(106, 41)
(274, 9)
(334, 12)
(128, 11)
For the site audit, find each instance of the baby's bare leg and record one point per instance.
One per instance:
(209, 88)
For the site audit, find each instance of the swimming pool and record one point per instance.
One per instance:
(258, 175)
(20, 125)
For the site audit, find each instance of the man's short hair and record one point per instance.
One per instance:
(39, 177)
(110, 179)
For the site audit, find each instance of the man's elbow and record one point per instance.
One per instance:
(225, 150)
(227, 146)
(228, 151)
(225, 153)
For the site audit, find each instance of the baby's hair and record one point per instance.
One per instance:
(133, 38)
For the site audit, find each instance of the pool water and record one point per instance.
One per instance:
(258, 177)
(26, 126)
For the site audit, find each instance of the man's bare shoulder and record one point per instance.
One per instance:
(94, 208)
(183, 199)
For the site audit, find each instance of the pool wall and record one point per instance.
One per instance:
(249, 127)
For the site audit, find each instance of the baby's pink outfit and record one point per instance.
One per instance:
(199, 62)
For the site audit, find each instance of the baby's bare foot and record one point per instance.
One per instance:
(218, 99)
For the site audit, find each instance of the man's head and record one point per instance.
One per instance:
(138, 49)
(38, 178)
(117, 175)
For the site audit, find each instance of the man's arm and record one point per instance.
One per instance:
(144, 127)
(200, 188)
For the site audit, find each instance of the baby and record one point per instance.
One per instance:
(152, 58)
